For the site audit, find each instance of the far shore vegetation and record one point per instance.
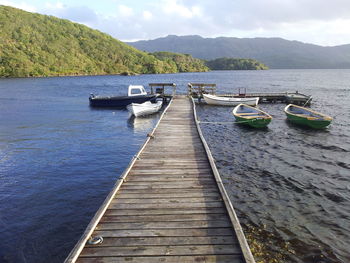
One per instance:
(34, 45)
(235, 64)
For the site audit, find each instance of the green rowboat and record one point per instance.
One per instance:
(251, 116)
(307, 117)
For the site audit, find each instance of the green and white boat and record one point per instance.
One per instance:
(307, 117)
(251, 116)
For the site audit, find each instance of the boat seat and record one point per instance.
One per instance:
(255, 116)
(249, 113)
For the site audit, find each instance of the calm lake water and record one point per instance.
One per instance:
(59, 159)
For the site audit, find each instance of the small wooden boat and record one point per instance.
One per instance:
(307, 117)
(229, 101)
(136, 94)
(251, 116)
(145, 108)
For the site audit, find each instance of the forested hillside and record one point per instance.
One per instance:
(39, 45)
(235, 64)
(182, 62)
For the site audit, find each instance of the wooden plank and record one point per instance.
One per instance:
(157, 150)
(184, 134)
(204, 178)
(167, 200)
(115, 205)
(166, 259)
(163, 170)
(167, 128)
(176, 142)
(174, 158)
(172, 161)
(166, 211)
(169, 191)
(166, 149)
(147, 195)
(167, 185)
(175, 166)
(175, 154)
(163, 164)
(160, 251)
(175, 179)
(163, 225)
(165, 241)
(163, 218)
(186, 232)
(158, 177)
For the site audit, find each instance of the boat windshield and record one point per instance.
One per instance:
(135, 90)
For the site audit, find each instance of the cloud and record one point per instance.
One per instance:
(172, 17)
(125, 11)
(173, 7)
(147, 15)
(253, 14)
(21, 5)
(238, 18)
(320, 21)
(80, 14)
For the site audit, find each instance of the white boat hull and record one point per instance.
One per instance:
(144, 109)
(227, 101)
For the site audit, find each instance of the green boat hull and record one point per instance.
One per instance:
(255, 123)
(315, 124)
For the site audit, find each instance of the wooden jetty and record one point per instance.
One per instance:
(169, 205)
(162, 91)
(196, 90)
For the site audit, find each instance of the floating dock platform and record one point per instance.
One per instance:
(196, 90)
(169, 205)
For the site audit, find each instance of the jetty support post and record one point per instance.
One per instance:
(197, 90)
(160, 89)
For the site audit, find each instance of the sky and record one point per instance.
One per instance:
(321, 22)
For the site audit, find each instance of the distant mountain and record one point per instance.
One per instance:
(39, 45)
(276, 53)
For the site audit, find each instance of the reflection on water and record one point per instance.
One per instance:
(142, 124)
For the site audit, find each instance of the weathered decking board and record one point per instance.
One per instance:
(169, 205)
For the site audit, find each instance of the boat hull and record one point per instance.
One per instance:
(118, 101)
(306, 117)
(144, 109)
(315, 124)
(226, 101)
(255, 123)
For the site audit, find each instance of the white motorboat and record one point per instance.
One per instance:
(146, 108)
(229, 101)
